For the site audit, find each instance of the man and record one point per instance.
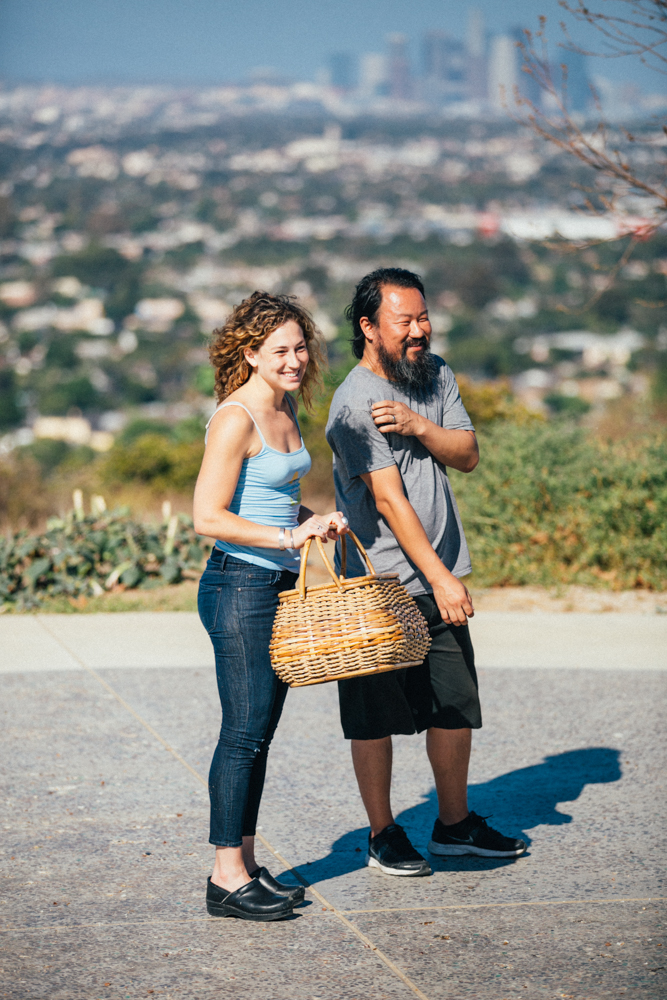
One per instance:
(395, 423)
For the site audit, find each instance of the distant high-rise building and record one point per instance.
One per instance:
(577, 88)
(503, 72)
(444, 60)
(400, 79)
(373, 74)
(476, 56)
(434, 55)
(342, 71)
(525, 81)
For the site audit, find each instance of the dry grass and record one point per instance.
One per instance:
(567, 600)
(183, 597)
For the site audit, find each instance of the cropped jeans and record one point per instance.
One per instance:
(237, 604)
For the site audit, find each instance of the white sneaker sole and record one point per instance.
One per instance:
(374, 863)
(445, 850)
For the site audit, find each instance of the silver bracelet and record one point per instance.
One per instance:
(281, 539)
(291, 538)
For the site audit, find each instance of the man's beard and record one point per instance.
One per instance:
(413, 377)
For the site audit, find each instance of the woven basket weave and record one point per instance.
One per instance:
(347, 628)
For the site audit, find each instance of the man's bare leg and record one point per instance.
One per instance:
(372, 766)
(449, 753)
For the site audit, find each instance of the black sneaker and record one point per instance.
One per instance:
(473, 835)
(392, 853)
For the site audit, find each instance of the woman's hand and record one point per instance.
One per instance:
(325, 526)
(338, 524)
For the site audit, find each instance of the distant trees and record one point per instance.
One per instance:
(103, 267)
(11, 414)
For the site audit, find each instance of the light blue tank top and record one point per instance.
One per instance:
(268, 492)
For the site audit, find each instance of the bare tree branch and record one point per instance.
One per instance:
(643, 33)
(610, 152)
(562, 129)
(612, 275)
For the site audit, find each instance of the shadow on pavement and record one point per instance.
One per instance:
(514, 803)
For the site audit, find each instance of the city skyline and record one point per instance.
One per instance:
(209, 41)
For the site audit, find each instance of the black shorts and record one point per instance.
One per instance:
(440, 693)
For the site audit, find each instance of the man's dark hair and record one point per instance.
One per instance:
(368, 298)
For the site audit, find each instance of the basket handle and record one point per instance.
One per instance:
(325, 559)
(362, 551)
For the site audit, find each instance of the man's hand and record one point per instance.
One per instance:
(453, 600)
(392, 417)
(456, 448)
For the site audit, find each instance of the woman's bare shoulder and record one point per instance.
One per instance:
(231, 421)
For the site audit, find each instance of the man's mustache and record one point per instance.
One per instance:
(415, 342)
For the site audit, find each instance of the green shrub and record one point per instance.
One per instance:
(660, 384)
(10, 411)
(319, 481)
(142, 425)
(83, 555)
(570, 406)
(76, 392)
(205, 380)
(550, 505)
(489, 401)
(49, 453)
(155, 460)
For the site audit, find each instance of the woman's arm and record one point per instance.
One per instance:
(229, 443)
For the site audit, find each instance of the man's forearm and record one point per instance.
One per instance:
(409, 532)
(456, 448)
(451, 596)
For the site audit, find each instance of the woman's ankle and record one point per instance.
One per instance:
(230, 880)
(248, 854)
(229, 871)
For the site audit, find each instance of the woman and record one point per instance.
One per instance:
(248, 498)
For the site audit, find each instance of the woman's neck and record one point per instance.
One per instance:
(264, 396)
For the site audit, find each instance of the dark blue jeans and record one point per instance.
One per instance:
(237, 604)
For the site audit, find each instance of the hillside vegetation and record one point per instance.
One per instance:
(549, 504)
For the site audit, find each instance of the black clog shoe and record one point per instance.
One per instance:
(294, 892)
(252, 901)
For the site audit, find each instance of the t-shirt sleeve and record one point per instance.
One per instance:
(454, 414)
(357, 443)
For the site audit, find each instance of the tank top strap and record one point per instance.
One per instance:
(233, 402)
(296, 419)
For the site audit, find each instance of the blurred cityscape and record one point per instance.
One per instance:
(133, 218)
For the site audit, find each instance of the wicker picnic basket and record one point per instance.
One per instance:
(347, 628)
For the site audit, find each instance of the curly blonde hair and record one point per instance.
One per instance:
(249, 325)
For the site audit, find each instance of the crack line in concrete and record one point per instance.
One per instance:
(347, 923)
(394, 909)
(528, 902)
(99, 925)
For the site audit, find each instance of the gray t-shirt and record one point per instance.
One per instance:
(359, 447)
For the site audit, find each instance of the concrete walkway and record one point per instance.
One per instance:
(176, 639)
(109, 726)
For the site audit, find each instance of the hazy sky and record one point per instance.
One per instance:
(210, 41)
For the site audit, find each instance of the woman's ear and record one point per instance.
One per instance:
(249, 355)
